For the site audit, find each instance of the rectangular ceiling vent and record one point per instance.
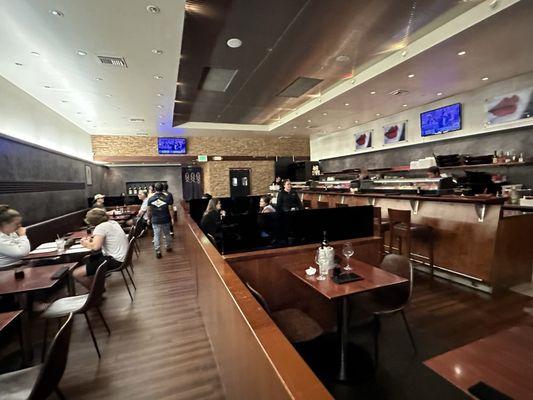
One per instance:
(216, 79)
(299, 86)
(142, 134)
(398, 92)
(115, 61)
(136, 119)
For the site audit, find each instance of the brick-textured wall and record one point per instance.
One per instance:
(108, 145)
(216, 176)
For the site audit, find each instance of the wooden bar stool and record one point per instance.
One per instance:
(322, 204)
(403, 229)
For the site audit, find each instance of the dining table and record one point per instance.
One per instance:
(372, 278)
(34, 279)
(49, 250)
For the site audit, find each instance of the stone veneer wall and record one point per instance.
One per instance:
(108, 145)
(216, 176)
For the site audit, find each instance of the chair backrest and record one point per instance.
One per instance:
(54, 363)
(129, 254)
(399, 217)
(377, 216)
(322, 204)
(259, 297)
(401, 266)
(339, 205)
(97, 288)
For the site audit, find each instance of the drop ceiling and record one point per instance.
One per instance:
(336, 42)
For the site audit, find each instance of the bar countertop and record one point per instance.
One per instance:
(444, 198)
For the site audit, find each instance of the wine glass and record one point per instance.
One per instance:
(347, 251)
(322, 270)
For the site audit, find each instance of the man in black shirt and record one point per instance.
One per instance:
(160, 213)
(288, 199)
(170, 203)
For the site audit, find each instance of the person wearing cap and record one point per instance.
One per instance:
(99, 201)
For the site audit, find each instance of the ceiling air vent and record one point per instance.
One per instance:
(299, 86)
(398, 92)
(116, 61)
(142, 134)
(216, 79)
(136, 119)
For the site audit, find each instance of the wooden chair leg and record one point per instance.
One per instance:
(131, 279)
(92, 335)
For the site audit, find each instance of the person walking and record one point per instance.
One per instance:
(161, 216)
(170, 203)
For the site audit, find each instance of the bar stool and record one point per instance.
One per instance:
(306, 203)
(380, 226)
(340, 205)
(322, 204)
(403, 229)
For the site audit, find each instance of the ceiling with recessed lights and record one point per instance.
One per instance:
(100, 63)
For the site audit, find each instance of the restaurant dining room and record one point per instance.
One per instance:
(267, 200)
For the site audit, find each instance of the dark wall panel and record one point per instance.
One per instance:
(517, 140)
(28, 167)
(117, 177)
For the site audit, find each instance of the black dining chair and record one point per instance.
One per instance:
(80, 305)
(296, 325)
(124, 267)
(38, 382)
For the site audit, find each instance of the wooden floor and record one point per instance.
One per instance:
(158, 348)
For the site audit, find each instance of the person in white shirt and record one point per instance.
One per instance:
(14, 243)
(143, 196)
(108, 243)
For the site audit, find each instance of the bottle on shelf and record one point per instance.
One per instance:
(135, 190)
(325, 242)
(495, 157)
(508, 157)
(130, 191)
(521, 157)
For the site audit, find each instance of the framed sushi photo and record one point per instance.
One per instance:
(394, 133)
(363, 140)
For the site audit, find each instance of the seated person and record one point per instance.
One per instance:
(109, 242)
(211, 222)
(99, 201)
(14, 244)
(433, 172)
(264, 204)
(288, 199)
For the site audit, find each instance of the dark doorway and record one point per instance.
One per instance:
(239, 182)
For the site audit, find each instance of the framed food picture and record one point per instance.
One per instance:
(394, 133)
(363, 140)
(510, 107)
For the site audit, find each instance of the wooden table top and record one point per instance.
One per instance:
(78, 234)
(503, 360)
(36, 278)
(373, 278)
(7, 317)
(55, 253)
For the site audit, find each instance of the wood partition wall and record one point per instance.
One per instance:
(255, 360)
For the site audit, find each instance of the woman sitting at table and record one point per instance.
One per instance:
(265, 206)
(109, 242)
(212, 219)
(288, 199)
(14, 244)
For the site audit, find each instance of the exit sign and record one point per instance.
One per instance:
(202, 158)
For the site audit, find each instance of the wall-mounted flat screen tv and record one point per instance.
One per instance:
(172, 145)
(441, 120)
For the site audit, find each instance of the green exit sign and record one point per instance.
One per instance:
(202, 158)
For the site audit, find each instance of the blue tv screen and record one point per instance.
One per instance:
(171, 145)
(441, 120)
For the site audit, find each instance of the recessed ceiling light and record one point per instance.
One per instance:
(378, 114)
(439, 93)
(339, 127)
(308, 121)
(346, 104)
(234, 43)
(99, 79)
(461, 53)
(356, 121)
(157, 51)
(294, 127)
(153, 9)
(404, 105)
(324, 114)
(159, 106)
(342, 58)
(81, 53)
(158, 77)
(108, 95)
(160, 95)
(372, 92)
(34, 53)
(485, 78)
(56, 13)
(18, 64)
(411, 75)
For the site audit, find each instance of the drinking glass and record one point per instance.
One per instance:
(347, 251)
(322, 268)
(60, 244)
